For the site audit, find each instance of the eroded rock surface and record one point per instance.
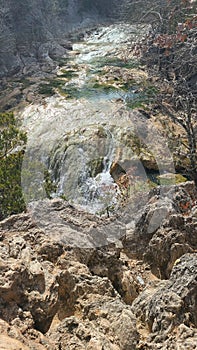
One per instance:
(165, 229)
(168, 309)
(137, 291)
(31, 33)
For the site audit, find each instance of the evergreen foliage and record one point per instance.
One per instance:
(12, 143)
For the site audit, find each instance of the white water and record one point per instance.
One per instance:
(61, 121)
(100, 192)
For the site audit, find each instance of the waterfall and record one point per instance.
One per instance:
(100, 192)
(80, 131)
(81, 172)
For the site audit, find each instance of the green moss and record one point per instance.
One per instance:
(115, 62)
(135, 103)
(101, 132)
(95, 166)
(56, 83)
(49, 87)
(142, 99)
(180, 178)
(88, 91)
(64, 197)
(63, 61)
(46, 89)
(25, 82)
(171, 179)
(150, 91)
(131, 83)
(68, 74)
(103, 86)
(96, 85)
(70, 92)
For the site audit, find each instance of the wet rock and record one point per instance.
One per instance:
(117, 171)
(167, 179)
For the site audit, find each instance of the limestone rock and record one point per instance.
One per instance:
(162, 233)
(8, 343)
(106, 324)
(169, 308)
(53, 294)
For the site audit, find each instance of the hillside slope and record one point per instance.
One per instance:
(29, 30)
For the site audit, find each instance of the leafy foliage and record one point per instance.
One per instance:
(10, 136)
(12, 142)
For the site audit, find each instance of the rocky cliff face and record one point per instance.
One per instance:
(55, 295)
(34, 30)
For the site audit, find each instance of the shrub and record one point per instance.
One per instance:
(12, 143)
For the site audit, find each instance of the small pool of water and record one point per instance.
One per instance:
(107, 95)
(99, 93)
(87, 92)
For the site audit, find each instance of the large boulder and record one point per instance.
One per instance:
(55, 294)
(165, 228)
(167, 310)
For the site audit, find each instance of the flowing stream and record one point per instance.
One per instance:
(76, 135)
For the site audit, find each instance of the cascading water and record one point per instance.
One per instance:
(80, 135)
(80, 179)
(100, 192)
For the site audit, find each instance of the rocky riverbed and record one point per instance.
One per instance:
(74, 129)
(102, 259)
